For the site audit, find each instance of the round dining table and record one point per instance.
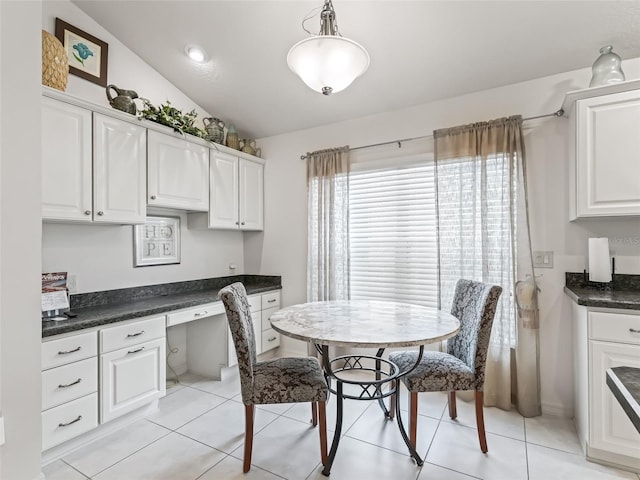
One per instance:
(364, 324)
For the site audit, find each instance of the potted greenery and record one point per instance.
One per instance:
(170, 116)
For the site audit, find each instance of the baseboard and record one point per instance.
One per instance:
(557, 410)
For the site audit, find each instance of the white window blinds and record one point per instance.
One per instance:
(392, 229)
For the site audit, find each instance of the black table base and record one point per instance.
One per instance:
(387, 374)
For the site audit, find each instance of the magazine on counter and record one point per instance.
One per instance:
(54, 291)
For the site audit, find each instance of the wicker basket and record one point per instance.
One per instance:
(55, 63)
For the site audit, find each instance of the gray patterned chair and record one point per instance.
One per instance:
(281, 380)
(462, 366)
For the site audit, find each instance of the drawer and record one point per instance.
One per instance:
(255, 303)
(68, 382)
(266, 314)
(614, 327)
(194, 313)
(69, 349)
(69, 420)
(270, 339)
(114, 338)
(271, 299)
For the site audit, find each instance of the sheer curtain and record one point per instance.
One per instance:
(328, 229)
(483, 234)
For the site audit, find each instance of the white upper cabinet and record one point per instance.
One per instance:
(66, 161)
(93, 169)
(119, 171)
(236, 199)
(178, 173)
(606, 152)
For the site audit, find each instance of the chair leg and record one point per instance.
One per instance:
(413, 418)
(453, 413)
(392, 401)
(248, 436)
(314, 413)
(480, 421)
(322, 417)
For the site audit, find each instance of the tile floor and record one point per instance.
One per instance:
(198, 434)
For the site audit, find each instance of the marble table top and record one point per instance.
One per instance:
(365, 323)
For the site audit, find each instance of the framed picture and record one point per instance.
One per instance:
(87, 54)
(157, 242)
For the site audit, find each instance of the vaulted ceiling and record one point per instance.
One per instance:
(420, 50)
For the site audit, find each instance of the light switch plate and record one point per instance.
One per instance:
(543, 259)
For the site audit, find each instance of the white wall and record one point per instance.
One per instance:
(102, 256)
(20, 325)
(284, 242)
(125, 69)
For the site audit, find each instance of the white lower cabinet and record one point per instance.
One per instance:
(132, 366)
(131, 377)
(69, 387)
(604, 338)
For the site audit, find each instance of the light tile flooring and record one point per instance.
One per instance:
(198, 434)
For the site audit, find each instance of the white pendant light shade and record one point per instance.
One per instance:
(328, 63)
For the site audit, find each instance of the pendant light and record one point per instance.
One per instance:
(328, 62)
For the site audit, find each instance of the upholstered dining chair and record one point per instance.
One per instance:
(462, 366)
(281, 380)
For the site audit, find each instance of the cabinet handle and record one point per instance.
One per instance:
(129, 335)
(237, 223)
(200, 314)
(100, 213)
(71, 422)
(272, 339)
(271, 301)
(242, 223)
(153, 197)
(634, 330)
(136, 351)
(70, 384)
(87, 212)
(69, 351)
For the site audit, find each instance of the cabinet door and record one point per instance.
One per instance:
(131, 377)
(607, 153)
(178, 173)
(66, 161)
(251, 195)
(611, 430)
(119, 171)
(223, 206)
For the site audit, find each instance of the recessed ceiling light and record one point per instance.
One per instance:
(195, 53)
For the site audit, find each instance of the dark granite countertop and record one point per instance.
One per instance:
(622, 292)
(101, 308)
(624, 382)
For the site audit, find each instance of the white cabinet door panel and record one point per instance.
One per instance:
(69, 420)
(251, 198)
(223, 208)
(178, 173)
(66, 161)
(131, 378)
(119, 170)
(611, 429)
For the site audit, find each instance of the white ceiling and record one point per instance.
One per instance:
(420, 50)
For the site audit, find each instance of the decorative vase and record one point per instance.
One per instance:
(248, 146)
(215, 129)
(607, 68)
(232, 137)
(55, 63)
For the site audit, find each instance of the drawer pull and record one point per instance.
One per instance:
(70, 384)
(634, 330)
(272, 339)
(200, 314)
(271, 301)
(61, 352)
(136, 351)
(130, 335)
(71, 422)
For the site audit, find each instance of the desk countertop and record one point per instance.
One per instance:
(624, 382)
(622, 292)
(102, 308)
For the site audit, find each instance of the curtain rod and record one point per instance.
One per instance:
(558, 113)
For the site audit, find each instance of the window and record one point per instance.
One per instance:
(392, 230)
